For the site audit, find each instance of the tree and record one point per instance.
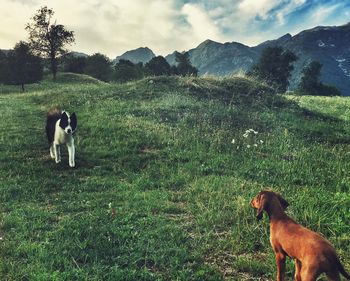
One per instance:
(48, 39)
(125, 70)
(23, 66)
(184, 66)
(158, 66)
(274, 67)
(3, 67)
(310, 82)
(99, 67)
(74, 64)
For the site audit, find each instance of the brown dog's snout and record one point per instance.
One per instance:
(253, 203)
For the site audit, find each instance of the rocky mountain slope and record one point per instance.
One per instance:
(142, 54)
(328, 45)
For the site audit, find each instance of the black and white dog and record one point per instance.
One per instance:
(60, 127)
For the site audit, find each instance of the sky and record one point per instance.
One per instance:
(112, 27)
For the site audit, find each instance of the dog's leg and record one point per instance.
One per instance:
(71, 154)
(309, 273)
(281, 266)
(57, 153)
(52, 151)
(297, 276)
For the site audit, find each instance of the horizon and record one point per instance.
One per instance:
(171, 25)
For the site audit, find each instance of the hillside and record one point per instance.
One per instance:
(327, 44)
(164, 178)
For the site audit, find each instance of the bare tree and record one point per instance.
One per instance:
(48, 39)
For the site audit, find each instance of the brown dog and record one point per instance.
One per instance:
(312, 253)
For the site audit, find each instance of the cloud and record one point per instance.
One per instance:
(288, 9)
(201, 24)
(252, 8)
(115, 26)
(323, 12)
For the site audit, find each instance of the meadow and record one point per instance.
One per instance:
(165, 170)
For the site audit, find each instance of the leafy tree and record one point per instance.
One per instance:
(173, 70)
(329, 90)
(48, 39)
(184, 66)
(23, 66)
(274, 67)
(74, 64)
(158, 66)
(3, 67)
(125, 70)
(310, 82)
(98, 66)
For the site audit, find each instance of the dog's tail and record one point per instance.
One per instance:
(342, 270)
(53, 115)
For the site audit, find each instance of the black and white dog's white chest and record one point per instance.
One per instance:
(60, 127)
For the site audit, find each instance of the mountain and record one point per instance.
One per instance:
(143, 55)
(330, 45)
(222, 59)
(78, 54)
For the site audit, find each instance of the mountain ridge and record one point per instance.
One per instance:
(142, 54)
(330, 45)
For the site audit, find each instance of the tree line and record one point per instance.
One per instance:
(46, 50)
(102, 68)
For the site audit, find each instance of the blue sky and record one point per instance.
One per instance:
(115, 26)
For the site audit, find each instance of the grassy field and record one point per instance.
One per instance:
(165, 172)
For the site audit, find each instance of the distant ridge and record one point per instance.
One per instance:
(329, 45)
(143, 54)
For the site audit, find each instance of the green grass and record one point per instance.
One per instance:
(159, 153)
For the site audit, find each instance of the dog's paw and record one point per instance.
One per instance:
(57, 161)
(52, 153)
(72, 165)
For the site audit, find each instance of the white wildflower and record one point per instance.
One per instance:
(261, 141)
(233, 141)
(248, 145)
(255, 144)
(110, 205)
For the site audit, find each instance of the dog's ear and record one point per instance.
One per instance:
(73, 121)
(283, 201)
(64, 120)
(262, 204)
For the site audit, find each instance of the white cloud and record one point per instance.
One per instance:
(287, 9)
(253, 8)
(323, 12)
(13, 18)
(202, 26)
(114, 26)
